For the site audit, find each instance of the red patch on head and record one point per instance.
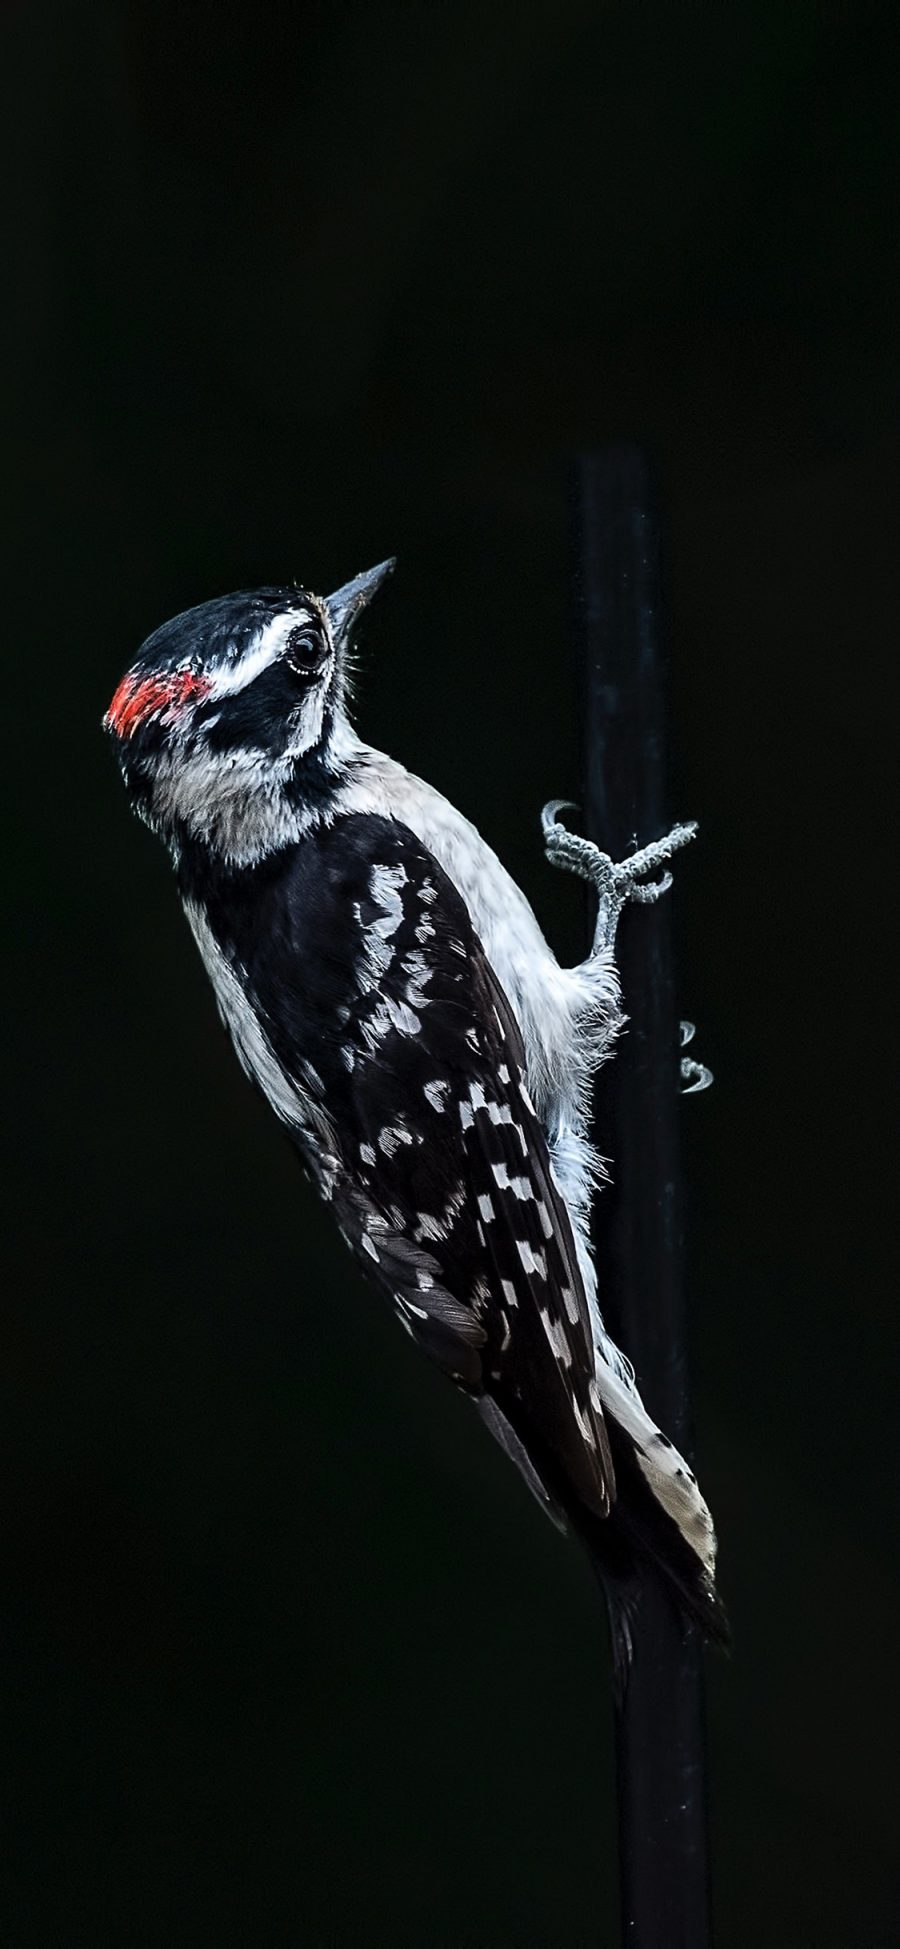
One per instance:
(138, 698)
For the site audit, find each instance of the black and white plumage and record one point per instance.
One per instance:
(387, 987)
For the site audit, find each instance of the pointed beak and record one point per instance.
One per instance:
(345, 605)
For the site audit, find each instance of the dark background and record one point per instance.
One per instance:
(292, 1657)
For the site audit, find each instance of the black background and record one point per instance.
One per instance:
(292, 1658)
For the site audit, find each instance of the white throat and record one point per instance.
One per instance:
(236, 803)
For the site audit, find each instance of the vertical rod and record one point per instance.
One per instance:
(660, 1742)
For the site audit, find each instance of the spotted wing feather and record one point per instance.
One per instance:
(379, 999)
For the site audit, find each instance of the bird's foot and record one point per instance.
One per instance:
(616, 882)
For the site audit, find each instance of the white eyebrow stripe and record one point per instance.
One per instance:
(266, 650)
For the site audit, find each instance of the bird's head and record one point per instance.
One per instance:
(233, 711)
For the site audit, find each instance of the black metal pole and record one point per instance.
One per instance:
(660, 1744)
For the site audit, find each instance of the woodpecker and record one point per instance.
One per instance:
(387, 987)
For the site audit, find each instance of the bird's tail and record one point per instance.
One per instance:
(659, 1524)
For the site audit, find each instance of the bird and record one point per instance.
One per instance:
(388, 989)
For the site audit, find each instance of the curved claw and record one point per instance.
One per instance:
(552, 807)
(646, 891)
(687, 1032)
(695, 1076)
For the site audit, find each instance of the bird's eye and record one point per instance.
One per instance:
(304, 651)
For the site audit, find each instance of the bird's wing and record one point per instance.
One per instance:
(443, 1186)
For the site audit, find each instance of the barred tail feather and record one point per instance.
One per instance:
(635, 1547)
(659, 1523)
(672, 1484)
